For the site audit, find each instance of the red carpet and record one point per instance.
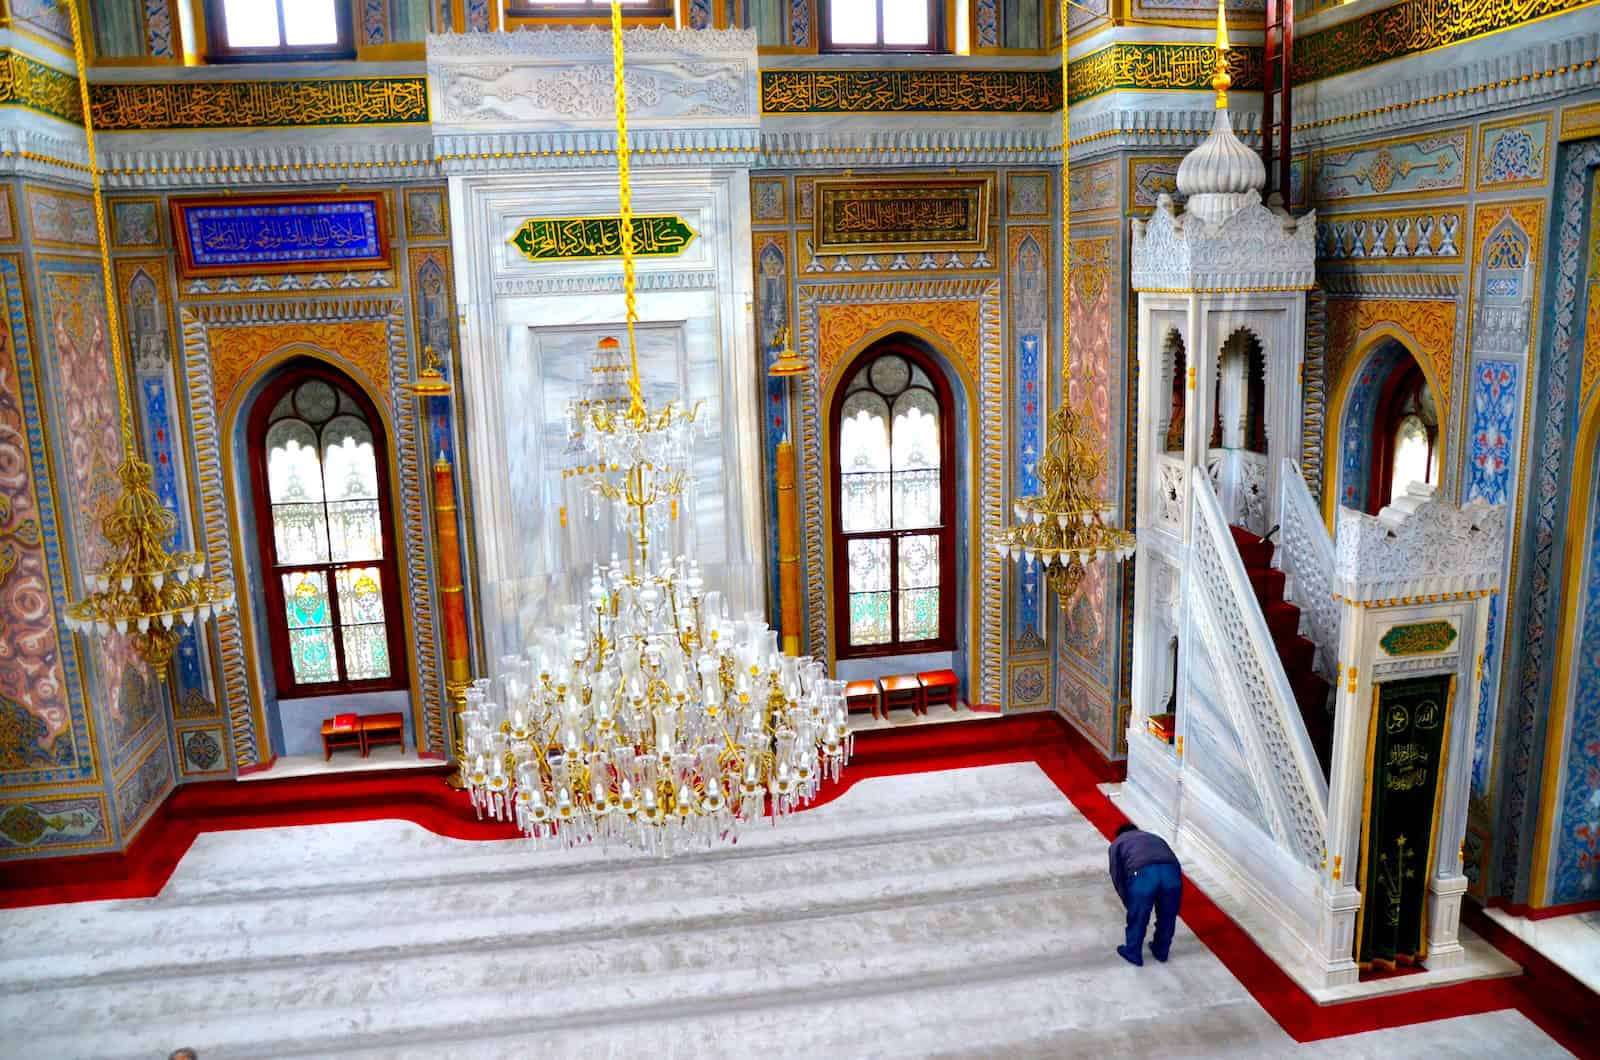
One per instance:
(1545, 994)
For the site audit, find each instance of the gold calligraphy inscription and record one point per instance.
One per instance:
(872, 91)
(1189, 66)
(26, 82)
(859, 216)
(1409, 27)
(360, 344)
(582, 238)
(1418, 638)
(844, 327)
(144, 105)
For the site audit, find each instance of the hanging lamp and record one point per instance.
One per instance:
(143, 592)
(1063, 525)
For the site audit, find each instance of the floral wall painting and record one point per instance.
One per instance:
(135, 223)
(1085, 622)
(1514, 154)
(427, 216)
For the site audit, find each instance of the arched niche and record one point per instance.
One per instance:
(1389, 388)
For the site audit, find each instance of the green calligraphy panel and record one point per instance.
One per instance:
(588, 238)
(1405, 765)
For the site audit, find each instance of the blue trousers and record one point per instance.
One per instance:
(1158, 887)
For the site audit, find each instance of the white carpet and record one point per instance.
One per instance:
(964, 913)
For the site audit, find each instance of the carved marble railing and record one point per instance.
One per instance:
(1418, 546)
(1294, 793)
(1305, 554)
(1171, 475)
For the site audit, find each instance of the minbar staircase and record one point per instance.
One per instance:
(1297, 653)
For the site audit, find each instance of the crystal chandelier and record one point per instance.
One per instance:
(649, 717)
(1063, 526)
(142, 592)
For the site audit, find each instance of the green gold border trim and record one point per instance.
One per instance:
(26, 82)
(910, 91)
(1132, 65)
(134, 106)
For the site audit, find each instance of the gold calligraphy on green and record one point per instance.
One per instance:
(29, 83)
(1418, 638)
(1141, 66)
(143, 105)
(584, 238)
(903, 91)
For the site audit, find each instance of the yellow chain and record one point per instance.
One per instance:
(1066, 223)
(113, 325)
(625, 220)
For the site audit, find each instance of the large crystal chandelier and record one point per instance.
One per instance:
(1063, 526)
(142, 591)
(649, 717)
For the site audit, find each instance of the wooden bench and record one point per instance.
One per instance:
(340, 732)
(864, 695)
(902, 690)
(939, 686)
(382, 729)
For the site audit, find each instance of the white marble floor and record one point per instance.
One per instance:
(964, 913)
(1571, 941)
(343, 761)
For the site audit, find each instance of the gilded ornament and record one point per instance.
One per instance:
(589, 238)
(26, 82)
(855, 216)
(1161, 66)
(350, 101)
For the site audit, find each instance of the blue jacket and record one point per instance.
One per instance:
(1132, 851)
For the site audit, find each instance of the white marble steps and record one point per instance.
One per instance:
(951, 914)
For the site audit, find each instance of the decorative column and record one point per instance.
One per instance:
(457, 669)
(788, 550)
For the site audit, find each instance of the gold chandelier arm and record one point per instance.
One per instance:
(625, 219)
(113, 325)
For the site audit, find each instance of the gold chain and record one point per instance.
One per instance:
(113, 325)
(625, 221)
(1066, 224)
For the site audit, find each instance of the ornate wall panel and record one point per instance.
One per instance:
(1514, 153)
(1092, 189)
(143, 789)
(135, 223)
(427, 215)
(8, 216)
(1525, 703)
(202, 752)
(961, 318)
(72, 298)
(54, 825)
(774, 314)
(42, 18)
(62, 219)
(769, 200)
(1574, 874)
(45, 735)
(1027, 195)
(1028, 275)
(1151, 178)
(1411, 166)
(1431, 235)
(1089, 630)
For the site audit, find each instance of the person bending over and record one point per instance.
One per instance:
(1146, 874)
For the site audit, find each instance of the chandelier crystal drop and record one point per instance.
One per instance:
(647, 716)
(141, 591)
(1063, 525)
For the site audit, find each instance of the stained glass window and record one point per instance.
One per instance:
(891, 461)
(324, 535)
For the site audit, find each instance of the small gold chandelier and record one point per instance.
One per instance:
(1063, 525)
(143, 591)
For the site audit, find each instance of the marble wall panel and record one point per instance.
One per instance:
(63, 219)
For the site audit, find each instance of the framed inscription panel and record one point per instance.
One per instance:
(860, 216)
(243, 234)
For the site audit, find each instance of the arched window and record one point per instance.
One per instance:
(324, 525)
(1406, 436)
(894, 505)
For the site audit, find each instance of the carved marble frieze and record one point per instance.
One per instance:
(1255, 249)
(563, 78)
(1437, 549)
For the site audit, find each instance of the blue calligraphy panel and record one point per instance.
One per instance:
(232, 235)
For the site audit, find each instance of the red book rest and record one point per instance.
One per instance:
(344, 721)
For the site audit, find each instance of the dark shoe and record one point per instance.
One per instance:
(1159, 955)
(1131, 956)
